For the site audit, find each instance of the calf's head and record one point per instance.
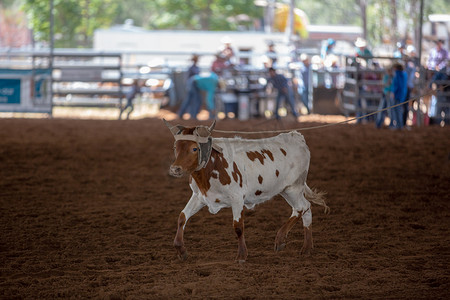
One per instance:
(192, 148)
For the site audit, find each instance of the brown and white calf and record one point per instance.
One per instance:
(235, 172)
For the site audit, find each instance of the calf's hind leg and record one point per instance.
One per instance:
(308, 242)
(280, 240)
(300, 208)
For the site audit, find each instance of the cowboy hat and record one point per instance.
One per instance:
(360, 42)
(226, 40)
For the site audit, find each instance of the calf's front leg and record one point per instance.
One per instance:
(238, 225)
(191, 208)
(178, 242)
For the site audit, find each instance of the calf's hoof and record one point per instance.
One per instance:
(182, 253)
(183, 256)
(241, 257)
(279, 247)
(306, 250)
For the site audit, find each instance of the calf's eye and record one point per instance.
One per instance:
(194, 149)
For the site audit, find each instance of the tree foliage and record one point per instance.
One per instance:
(384, 17)
(331, 12)
(394, 21)
(76, 20)
(7, 3)
(202, 14)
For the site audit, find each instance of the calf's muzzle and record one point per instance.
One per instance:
(176, 171)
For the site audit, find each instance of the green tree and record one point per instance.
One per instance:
(142, 12)
(7, 3)
(204, 14)
(383, 16)
(74, 20)
(331, 12)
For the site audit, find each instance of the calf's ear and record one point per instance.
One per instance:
(174, 129)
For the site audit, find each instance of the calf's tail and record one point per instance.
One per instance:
(316, 197)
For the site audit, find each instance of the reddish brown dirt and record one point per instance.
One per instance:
(88, 211)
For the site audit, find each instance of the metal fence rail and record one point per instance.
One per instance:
(102, 79)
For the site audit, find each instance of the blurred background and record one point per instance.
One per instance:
(89, 53)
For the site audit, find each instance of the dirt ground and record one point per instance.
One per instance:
(88, 210)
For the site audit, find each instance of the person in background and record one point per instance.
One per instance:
(219, 64)
(272, 54)
(363, 57)
(302, 75)
(436, 110)
(401, 51)
(193, 102)
(281, 84)
(193, 69)
(208, 83)
(399, 88)
(387, 82)
(227, 51)
(327, 49)
(131, 95)
(438, 56)
(410, 69)
(189, 103)
(361, 49)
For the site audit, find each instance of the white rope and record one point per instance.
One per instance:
(322, 126)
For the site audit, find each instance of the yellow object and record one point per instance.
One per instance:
(301, 21)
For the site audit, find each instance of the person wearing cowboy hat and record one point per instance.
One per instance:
(227, 50)
(361, 48)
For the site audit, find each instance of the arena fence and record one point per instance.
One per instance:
(102, 79)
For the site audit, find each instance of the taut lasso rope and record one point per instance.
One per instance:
(325, 125)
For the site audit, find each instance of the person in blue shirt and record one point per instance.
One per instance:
(327, 48)
(208, 83)
(302, 75)
(281, 84)
(399, 89)
(193, 102)
(384, 103)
